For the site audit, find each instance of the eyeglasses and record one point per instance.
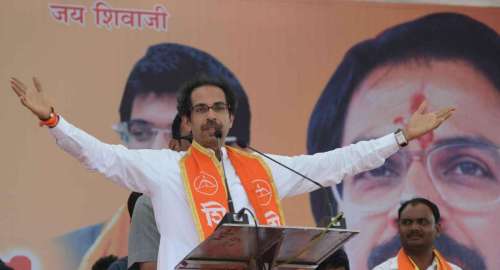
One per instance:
(139, 131)
(465, 173)
(217, 107)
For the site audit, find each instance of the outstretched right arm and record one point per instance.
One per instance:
(133, 169)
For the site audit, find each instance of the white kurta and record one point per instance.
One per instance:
(157, 174)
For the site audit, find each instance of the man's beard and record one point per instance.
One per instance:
(451, 250)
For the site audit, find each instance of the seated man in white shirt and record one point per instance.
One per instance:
(418, 226)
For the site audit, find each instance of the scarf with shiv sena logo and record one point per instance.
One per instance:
(405, 263)
(207, 193)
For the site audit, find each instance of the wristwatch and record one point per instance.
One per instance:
(400, 138)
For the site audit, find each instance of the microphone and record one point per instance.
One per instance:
(218, 135)
(337, 221)
(231, 216)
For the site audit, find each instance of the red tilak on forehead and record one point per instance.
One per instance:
(399, 120)
(426, 140)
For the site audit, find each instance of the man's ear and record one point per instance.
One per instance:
(185, 125)
(438, 229)
(398, 226)
(186, 121)
(231, 120)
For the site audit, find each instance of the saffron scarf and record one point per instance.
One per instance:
(207, 192)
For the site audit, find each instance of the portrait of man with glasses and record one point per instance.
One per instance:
(447, 58)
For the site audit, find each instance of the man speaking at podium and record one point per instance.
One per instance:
(188, 189)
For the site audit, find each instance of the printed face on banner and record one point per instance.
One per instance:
(156, 114)
(457, 167)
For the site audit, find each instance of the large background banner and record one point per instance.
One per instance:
(55, 213)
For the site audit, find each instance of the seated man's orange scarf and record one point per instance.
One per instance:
(207, 193)
(405, 263)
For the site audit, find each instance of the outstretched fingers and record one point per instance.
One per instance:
(442, 115)
(422, 107)
(18, 87)
(37, 84)
(445, 113)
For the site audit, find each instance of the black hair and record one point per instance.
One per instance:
(337, 259)
(167, 66)
(438, 36)
(176, 130)
(104, 262)
(184, 103)
(176, 127)
(132, 199)
(415, 201)
(3, 266)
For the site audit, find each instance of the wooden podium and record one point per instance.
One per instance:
(241, 246)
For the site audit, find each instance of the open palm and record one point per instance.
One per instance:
(422, 122)
(33, 99)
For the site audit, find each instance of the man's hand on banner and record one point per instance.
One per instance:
(421, 122)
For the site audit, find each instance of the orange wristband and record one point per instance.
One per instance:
(52, 121)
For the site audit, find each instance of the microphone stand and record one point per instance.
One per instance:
(335, 221)
(231, 216)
